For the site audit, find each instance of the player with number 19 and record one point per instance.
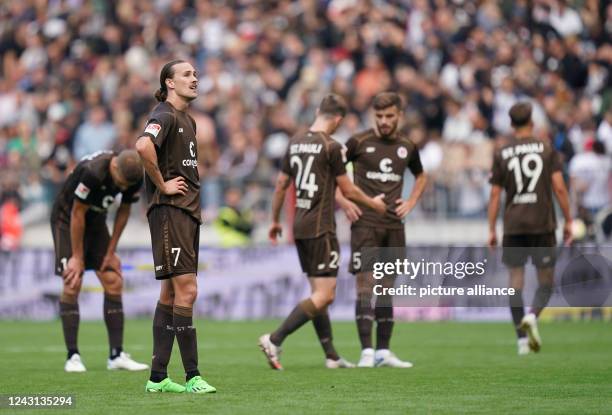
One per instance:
(529, 170)
(314, 162)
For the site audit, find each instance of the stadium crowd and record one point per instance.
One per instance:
(78, 76)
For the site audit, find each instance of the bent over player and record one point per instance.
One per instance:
(529, 170)
(82, 242)
(315, 163)
(168, 149)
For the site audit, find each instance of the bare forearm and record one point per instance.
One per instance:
(340, 199)
(277, 203)
(357, 195)
(418, 189)
(146, 150)
(564, 204)
(121, 220)
(493, 209)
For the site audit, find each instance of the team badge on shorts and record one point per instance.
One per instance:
(402, 152)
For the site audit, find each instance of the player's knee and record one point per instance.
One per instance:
(328, 298)
(187, 295)
(71, 291)
(112, 283)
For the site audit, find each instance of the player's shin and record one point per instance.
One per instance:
(299, 316)
(114, 320)
(517, 309)
(384, 321)
(364, 317)
(544, 290)
(322, 326)
(163, 339)
(69, 314)
(187, 339)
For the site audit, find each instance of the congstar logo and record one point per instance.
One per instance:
(193, 162)
(386, 172)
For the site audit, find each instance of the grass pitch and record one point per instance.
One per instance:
(459, 368)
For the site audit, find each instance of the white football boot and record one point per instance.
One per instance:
(367, 358)
(271, 351)
(338, 364)
(529, 323)
(523, 346)
(385, 357)
(74, 364)
(125, 362)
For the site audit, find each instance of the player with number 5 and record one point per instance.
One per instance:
(315, 163)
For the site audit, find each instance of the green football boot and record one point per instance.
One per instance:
(165, 385)
(198, 385)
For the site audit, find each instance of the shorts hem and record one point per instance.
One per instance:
(174, 273)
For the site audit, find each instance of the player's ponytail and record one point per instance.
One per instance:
(167, 72)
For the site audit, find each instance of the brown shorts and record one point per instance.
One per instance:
(175, 238)
(540, 247)
(319, 257)
(95, 242)
(369, 237)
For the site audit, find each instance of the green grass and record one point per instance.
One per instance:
(459, 368)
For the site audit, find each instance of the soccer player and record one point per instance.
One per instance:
(168, 150)
(529, 170)
(82, 241)
(380, 157)
(315, 163)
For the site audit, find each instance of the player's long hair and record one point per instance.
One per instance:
(167, 72)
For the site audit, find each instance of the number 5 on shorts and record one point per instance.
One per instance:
(177, 253)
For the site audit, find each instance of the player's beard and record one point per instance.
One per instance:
(386, 134)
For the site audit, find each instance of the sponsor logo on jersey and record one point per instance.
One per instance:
(370, 149)
(153, 129)
(402, 152)
(191, 162)
(386, 172)
(385, 165)
(82, 191)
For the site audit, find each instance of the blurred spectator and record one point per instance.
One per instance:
(233, 223)
(590, 177)
(78, 76)
(95, 134)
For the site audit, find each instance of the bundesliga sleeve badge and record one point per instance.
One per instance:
(82, 191)
(153, 129)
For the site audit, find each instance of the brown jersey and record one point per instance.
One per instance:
(524, 168)
(174, 134)
(378, 167)
(314, 160)
(92, 184)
